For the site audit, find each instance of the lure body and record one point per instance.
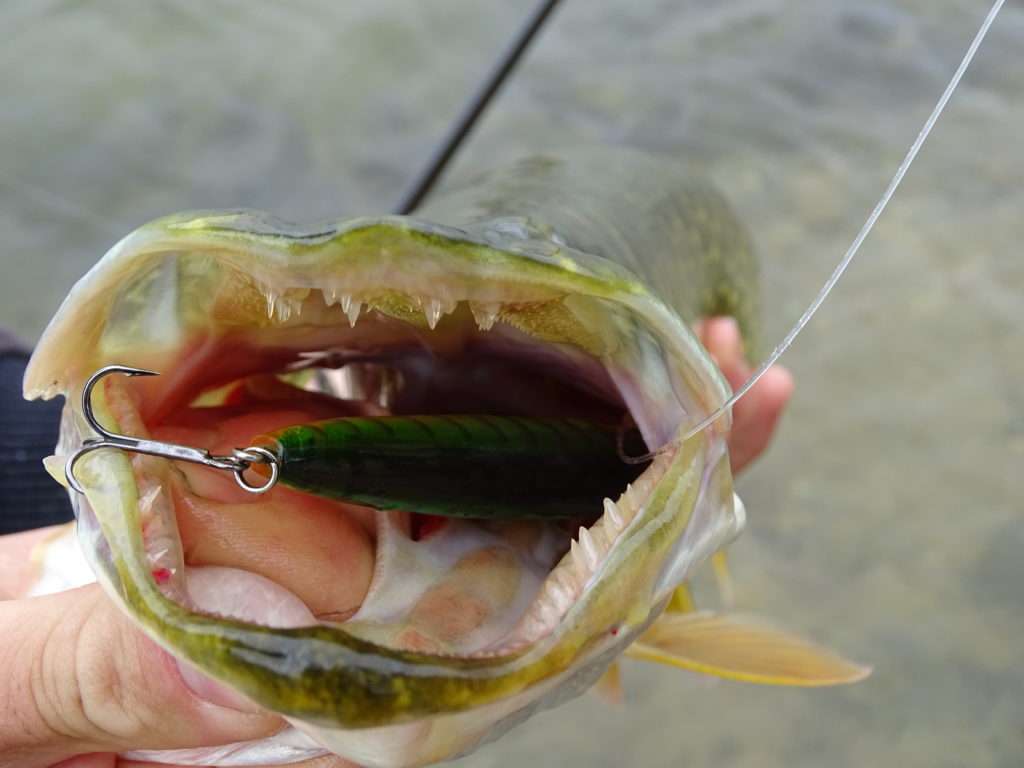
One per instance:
(491, 467)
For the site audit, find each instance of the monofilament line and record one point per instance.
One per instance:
(865, 230)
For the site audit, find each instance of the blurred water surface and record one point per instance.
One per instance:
(886, 520)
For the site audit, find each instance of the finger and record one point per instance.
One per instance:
(722, 339)
(79, 678)
(16, 558)
(110, 760)
(312, 548)
(94, 760)
(318, 762)
(757, 415)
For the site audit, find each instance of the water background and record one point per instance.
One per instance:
(887, 518)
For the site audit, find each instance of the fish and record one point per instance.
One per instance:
(559, 287)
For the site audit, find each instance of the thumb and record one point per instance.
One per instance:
(79, 677)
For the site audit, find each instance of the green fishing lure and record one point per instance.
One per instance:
(489, 467)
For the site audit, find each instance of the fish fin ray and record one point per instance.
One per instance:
(608, 688)
(736, 647)
(723, 578)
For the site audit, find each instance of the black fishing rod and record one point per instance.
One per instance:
(474, 108)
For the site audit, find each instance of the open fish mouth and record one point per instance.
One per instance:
(256, 325)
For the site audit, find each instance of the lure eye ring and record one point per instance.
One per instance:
(256, 455)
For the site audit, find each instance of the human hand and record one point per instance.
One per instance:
(82, 684)
(756, 415)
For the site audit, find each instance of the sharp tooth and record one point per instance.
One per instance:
(433, 312)
(352, 310)
(614, 514)
(334, 296)
(628, 496)
(484, 314)
(589, 548)
(576, 555)
(271, 305)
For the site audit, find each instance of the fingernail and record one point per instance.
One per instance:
(210, 690)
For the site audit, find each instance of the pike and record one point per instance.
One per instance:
(570, 297)
(559, 287)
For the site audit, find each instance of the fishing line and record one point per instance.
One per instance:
(864, 231)
(63, 205)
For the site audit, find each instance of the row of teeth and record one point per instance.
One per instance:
(284, 306)
(586, 555)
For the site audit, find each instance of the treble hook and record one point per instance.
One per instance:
(237, 463)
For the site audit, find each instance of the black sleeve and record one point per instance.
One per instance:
(29, 498)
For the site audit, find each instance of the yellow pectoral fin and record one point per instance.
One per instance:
(720, 564)
(681, 601)
(609, 686)
(740, 648)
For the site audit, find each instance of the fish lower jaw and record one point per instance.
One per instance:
(581, 567)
